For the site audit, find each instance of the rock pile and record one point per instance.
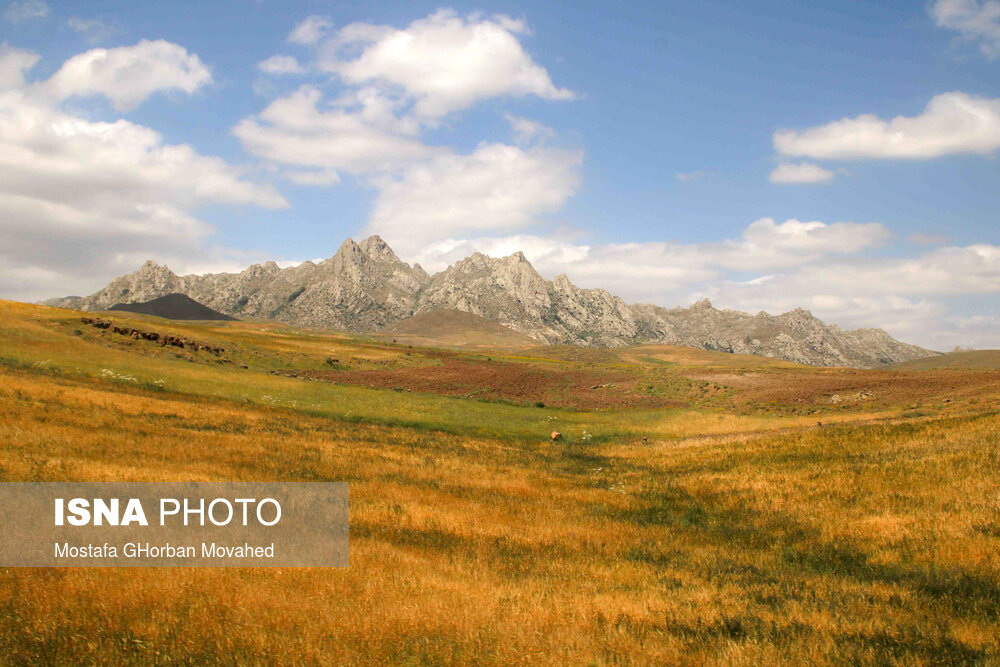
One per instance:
(162, 339)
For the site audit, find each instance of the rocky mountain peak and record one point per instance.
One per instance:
(366, 287)
(518, 258)
(375, 247)
(347, 249)
(151, 268)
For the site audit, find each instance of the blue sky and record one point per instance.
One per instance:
(839, 157)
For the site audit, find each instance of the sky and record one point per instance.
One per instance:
(839, 157)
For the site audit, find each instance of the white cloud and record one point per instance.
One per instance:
(23, 10)
(813, 265)
(322, 177)
(656, 270)
(395, 85)
(444, 62)
(94, 30)
(498, 187)
(975, 21)
(947, 271)
(50, 154)
(952, 123)
(528, 131)
(791, 173)
(128, 75)
(912, 297)
(13, 65)
(293, 130)
(310, 30)
(86, 200)
(280, 65)
(812, 237)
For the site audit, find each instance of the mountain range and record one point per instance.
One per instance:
(366, 288)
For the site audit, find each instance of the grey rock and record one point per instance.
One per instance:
(365, 287)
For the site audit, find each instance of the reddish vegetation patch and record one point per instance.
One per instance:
(493, 380)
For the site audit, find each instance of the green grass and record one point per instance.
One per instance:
(44, 339)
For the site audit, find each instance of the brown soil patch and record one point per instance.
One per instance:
(517, 382)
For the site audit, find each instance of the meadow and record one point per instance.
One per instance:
(737, 511)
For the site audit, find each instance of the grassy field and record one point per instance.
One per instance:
(961, 359)
(726, 526)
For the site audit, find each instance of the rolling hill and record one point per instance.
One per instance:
(963, 359)
(698, 507)
(173, 306)
(455, 328)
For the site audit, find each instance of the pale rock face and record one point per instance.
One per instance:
(365, 287)
(361, 288)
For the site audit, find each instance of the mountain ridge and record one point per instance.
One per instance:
(365, 288)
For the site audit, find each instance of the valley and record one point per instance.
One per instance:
(700, 507)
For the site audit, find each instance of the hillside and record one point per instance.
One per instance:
(366, 288)
(173, 306)
(962, 359)
(455, 328)
(698, 508)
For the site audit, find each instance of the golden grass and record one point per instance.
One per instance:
(687, 356)
(867, 544)
(41, 338)
(719, 539)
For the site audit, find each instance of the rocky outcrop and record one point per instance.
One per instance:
(796, 336)
(365, 287)
(153, 336)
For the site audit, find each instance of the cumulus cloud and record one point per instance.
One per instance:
(497, 187)
(311, 30)
(655, 270)
(317, 177)
(910, 297)
(23, 10)
(394, 85)
(791, 173)
(819, 266)
(952, 123)
(14, 63)
(947, 271)
(975, 21)
(444, 62)
(293, 130)
(280, 65)
(85, 200)
(528, 131)
(128, 75)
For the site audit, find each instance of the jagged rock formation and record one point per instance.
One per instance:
(365, 287)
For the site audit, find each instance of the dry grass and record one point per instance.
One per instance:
(866, 544)
(724, 539)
